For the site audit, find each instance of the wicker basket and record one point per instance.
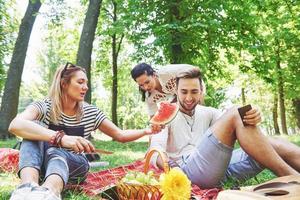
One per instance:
(127, 191)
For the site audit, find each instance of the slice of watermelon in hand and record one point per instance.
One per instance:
(165, 114)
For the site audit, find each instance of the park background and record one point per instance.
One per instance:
(248, 51)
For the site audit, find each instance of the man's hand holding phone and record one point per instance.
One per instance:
(250, 116)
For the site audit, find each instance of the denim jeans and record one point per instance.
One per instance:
(70, 166)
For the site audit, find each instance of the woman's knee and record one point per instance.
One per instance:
(54, 153)
(31, 152)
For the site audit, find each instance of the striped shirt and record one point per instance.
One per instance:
(90, 121)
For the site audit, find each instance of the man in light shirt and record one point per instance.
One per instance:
(200, 141)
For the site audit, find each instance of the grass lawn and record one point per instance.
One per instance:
(123, 154)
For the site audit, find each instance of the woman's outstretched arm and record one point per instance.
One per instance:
(120, 135)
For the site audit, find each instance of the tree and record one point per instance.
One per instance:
(275, 114)
(277, 49)
(10, 98)
(116, 45)
(3, 47)
(113, 11)
(84, 53)
(60, 40)
(280, 86)
(8, 30)
(296, 103)
(194, 32)
(112, 33)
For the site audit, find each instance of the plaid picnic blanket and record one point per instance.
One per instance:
(98, 182)
(9, 160)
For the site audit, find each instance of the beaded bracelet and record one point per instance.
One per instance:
(56, 139)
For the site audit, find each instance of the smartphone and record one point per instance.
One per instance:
(242, 112)
(92, 156)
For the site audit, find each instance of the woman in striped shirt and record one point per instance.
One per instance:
(53, 147)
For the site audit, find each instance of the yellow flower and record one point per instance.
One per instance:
(175, 185)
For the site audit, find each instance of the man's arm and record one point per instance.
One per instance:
(159, 142)
(159, 162)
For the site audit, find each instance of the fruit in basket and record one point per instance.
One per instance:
(140, 178)
(165, 114)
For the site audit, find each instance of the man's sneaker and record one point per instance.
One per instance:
(22, 191)
(41, 193)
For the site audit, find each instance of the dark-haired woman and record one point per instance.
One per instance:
(157, 86)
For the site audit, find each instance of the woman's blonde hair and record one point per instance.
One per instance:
(56, 94)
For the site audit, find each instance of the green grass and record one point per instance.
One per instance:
(123, 154)
(7, 143)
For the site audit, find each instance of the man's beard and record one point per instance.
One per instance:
(186, 110)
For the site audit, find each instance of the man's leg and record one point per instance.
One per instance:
(206, 166)
(230, 127)
(288, 151)
(242, 167)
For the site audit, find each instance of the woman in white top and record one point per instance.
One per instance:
(157, 86)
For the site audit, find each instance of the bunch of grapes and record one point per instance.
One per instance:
(140, 178)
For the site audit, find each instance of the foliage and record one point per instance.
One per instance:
(278, 41)
(61, 40)
(233, 43)
(275, 50)
(9, 19)
(131, 110)
(206, 33)
(60, 43)
(129, 105)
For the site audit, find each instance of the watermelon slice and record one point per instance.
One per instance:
(165, 114)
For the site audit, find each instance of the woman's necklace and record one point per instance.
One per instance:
(189, 120)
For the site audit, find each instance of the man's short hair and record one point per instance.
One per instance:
(190, 74)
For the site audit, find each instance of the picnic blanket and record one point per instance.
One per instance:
(9, 160)
(98, 182)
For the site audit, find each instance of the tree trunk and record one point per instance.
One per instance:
(282, 108)
(86, 41)
(243, 96)
(281, 91)
(296, 104)
(114, 105)
(10, 99)
(177, 55)
(275, 114)
(116, 46)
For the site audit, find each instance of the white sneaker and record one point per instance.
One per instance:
(41, 193)
(22, 191)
